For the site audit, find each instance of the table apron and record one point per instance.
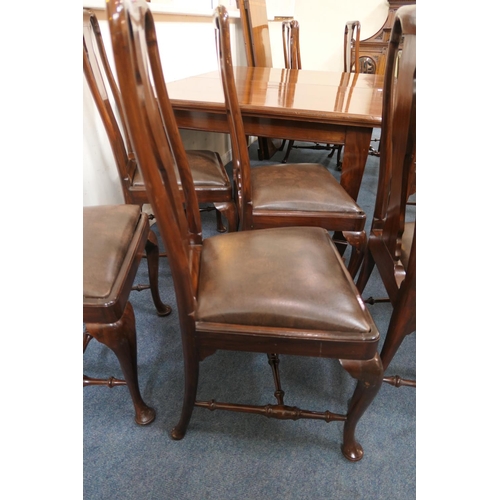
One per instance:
(285, 128)
(356, 139)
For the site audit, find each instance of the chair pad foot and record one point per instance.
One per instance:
(145, 416)
(354, 453)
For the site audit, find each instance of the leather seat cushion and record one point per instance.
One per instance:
(107, 233)
(206, 168)
(299, 187)
(288, 277)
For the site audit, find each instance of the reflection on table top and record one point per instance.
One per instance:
(332, 97)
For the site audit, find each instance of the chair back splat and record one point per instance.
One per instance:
(291, 44)
(235, 291)
(351, 45)
(392, 241)
(95, 64)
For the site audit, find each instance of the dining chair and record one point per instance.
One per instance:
(290, 194)
(351, 46)
(274, 291)
(212, 183)
(392, 240)
(291, 44)
(291, 50)
(114, 239)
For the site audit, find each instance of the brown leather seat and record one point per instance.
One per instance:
(304, 187)
(206, 168)
(114, 239)
(275, 291)
(212, 183)
(304, 266)
(107, 236)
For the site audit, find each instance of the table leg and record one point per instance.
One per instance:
(356, 147)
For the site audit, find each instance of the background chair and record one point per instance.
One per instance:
(291, 194)
(212, 183)
(352, 33)
(392, 241)
(291, 44)
(114, 238)
(238, 291)
(291, 51)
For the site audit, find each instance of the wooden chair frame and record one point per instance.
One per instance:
(392, 240)
(110, 319)
(135, 50)
(351, 46)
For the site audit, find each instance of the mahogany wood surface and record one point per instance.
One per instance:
(235, 291)
(392, 240)
(306, 105)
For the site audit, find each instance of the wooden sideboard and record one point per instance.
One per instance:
(372, 51)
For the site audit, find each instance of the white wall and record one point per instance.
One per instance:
(187, 46)
(322, 29)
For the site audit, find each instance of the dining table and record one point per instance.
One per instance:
(302, 105)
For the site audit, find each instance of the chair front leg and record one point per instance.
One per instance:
(120, 337)
(358, 242)
(367, 267)
(228, 209)
(369, 375)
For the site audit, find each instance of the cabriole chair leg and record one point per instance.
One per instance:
(120, 337)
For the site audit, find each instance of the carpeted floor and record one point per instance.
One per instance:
(240, 456)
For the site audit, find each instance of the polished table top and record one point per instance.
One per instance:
(316, 106)
(334, 97)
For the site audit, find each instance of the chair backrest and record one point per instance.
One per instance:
(291, 44)
(253, 14)
(351, 44)
(398, 137)
(241, 159)
(157, 144)
(95, 65)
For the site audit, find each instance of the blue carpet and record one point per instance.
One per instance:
(240, 456)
